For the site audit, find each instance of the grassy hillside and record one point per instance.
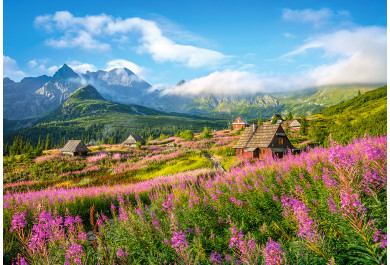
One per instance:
(364, 114)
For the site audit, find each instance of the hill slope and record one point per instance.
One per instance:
(86, 101)
(363, 114)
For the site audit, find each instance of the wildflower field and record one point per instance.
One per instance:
(324, 206)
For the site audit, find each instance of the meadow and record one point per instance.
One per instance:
(149, 206)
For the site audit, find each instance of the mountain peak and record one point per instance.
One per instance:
(181, 82)
(87, 92)
(65, 72)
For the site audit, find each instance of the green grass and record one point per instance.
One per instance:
(190, 162)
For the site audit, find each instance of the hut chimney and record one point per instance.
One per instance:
(254, 127)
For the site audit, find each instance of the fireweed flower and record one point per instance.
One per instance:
(350, 203)
(155, 223)
(18, 222)
(300, 213)
(122, 214)
(215, 258)
(329, 182)
(82, 236)
(74, 253)
(99, 221)
(121, 253)
(78, 220)
(139, 212)
(168, 203)
(179, 241)
(382, 237)
(332, 206)
(273, 254)
(21, 261)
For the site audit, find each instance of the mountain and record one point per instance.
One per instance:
(36, 97)
(19, 100)
(303, 102)
(55, 92)
(86, 102)
(255, 106)
(87, 115)
(120, 85)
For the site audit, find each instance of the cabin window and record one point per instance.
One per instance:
(280, 140)
(240, 151)
(262, 151)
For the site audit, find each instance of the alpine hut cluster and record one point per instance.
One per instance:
(239, 123)
(133, 139)
(75, 148)
(265, 140)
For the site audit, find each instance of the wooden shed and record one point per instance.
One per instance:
(265, 140)
(133, 139)
(75, 148)
(239, 122)
(295, 123)
(279, 118)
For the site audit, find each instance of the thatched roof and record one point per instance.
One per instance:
(246, 136)
(133, 139)
(263, 136)
(75, 146)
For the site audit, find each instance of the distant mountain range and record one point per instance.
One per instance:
(35, 97)
(87, 115)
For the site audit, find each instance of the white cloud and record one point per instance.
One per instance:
(11, 69)
(80, 67)
(121, 63)
(359, 56)
(316, 17)
(38, 67)
(288, 35)
(84, 32)
(160, 86)
(80, 39)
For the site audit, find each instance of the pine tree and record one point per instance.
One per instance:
(359, 93)
(304, 126)
(206, 133)
(274, 119)
(260, 121)
(38, 146)
(288, 128)
(111, 140)
(6, 150)
(47, 144)
(289, 117)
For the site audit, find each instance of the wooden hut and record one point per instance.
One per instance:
(239, 122)
(265, 140)
(279, 118)
(295, 123)
(133, 139)
(75, 148)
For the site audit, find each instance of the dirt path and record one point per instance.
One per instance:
(214, 161)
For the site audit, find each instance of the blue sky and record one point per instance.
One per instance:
(220, 47)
